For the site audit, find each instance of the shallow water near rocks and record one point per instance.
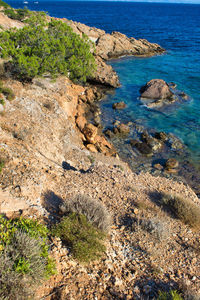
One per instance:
(180, 118)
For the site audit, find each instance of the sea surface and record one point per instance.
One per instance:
(176, 27)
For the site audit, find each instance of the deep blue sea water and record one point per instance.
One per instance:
(176, 27)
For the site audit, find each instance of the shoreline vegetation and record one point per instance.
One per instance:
(94, 227)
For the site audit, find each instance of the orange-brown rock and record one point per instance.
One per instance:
(90, 132)
(90, 96)
(91, 148)
(103, 141)
(81, 122)
(171, 163)
(119, 105)
(123, 128)
(80, 109)
(105, 74)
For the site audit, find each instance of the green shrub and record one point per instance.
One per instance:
(83, 239)
(2, 101)
(183, 209)
(53, 49)
(17, 14)
(4, 4)
(95, 212)
(1, 165)
(172, 295)
(24, 257)
(8, 93)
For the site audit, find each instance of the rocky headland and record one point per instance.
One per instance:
(51, 153)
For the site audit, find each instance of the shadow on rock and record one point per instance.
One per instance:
(51, 203)
(156, 197)
(66, 166)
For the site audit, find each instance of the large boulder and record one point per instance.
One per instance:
(156, 89)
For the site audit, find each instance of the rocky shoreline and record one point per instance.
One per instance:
(44, 142)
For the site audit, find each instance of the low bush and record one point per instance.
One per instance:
(159, 229)
(17, 14)
(172, 295)
(7, 92)
(94, 211)
(4, 4)
(1, 165)
(2, 101)
(24, 258)
(83, 239)
(183, 209)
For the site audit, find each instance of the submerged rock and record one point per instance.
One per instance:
(153, 143)
(183, 95)
(122, 128)
(119, 105)
(171, 163)
(142, 147)
(161, 136)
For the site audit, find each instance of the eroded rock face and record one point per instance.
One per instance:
(156, 89)
(90, 132)
(117, 44)
(105, 74)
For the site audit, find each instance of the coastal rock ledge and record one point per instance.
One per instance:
(110, 46)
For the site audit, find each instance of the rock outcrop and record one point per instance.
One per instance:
(110, 46)
(116, 44)
(156, 89)
(157, 93)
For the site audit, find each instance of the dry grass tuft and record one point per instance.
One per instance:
(94, 211)
(184, 209)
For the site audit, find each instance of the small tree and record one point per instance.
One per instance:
(47, 48)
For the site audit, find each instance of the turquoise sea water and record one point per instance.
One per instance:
(176, 27)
